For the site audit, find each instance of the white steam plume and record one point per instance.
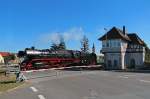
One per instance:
(69, 35)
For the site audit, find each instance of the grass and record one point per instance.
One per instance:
(2, 71)
(8, 82)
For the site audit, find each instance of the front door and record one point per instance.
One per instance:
(109, 64)
(115, 64)
(132, 63)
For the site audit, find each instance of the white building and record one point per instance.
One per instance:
(122, 50)
(1, 59)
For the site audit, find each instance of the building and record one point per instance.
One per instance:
(1, 60)
(11, 58)
(2, 57)
(122, 50)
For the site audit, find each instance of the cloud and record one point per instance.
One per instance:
(74, 34)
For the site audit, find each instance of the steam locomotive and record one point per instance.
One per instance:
(35, 59)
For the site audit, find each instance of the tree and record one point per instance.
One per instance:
(8, 58)
(27, 49)
(59, 46)
(32, 48)
(93, 48)
(62, 45)
(21, 54)
(54, 47)
(85, 44)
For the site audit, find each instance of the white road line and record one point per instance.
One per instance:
(130, 75)
(33, 89)
(41, 97)
(146, 81)
(123, 77)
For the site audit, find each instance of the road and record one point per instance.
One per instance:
(83, 85)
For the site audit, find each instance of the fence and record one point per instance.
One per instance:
(9, 69)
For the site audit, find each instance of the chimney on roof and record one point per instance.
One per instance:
(124, 30)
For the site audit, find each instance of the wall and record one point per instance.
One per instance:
(1, 60)
(138, 57)
(112, 57)
(123, 54)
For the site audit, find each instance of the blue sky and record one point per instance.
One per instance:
(26, 23)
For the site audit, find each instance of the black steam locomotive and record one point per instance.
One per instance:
(39, 59)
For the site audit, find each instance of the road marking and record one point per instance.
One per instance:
(41, 97)
(146, 81)
(34, 89)
(123, 77)
(130, 75)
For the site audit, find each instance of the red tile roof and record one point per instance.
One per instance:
(4, 54)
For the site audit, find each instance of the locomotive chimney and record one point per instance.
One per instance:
(124, 30)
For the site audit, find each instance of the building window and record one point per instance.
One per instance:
(109, 64)
(115, 63)
(118, 44)
(132, 46)
(115, 43)
(104, 44)
(107, 44)
(111, 43)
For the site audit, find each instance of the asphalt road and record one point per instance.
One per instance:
(83, 85)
